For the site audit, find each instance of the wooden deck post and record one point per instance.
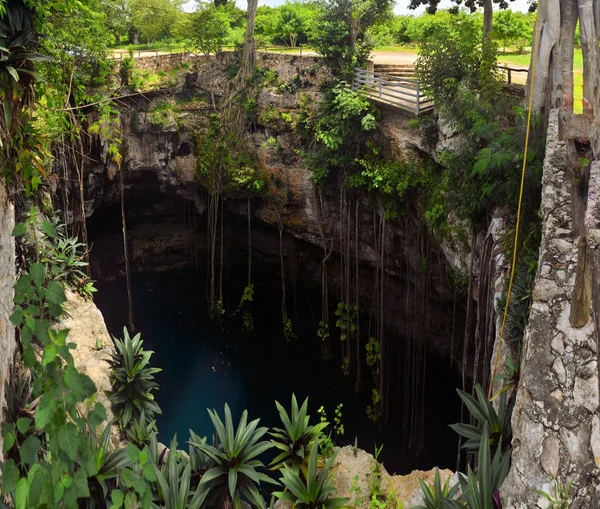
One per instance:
(418, 97)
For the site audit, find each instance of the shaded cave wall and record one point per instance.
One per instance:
(166, 206)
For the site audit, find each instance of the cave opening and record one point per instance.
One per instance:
(205, 364)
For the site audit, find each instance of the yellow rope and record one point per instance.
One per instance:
(514, 257)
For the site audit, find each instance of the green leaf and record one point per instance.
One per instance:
(117, 499)
(23, 424)
(10, 476)
(50, 354)
(22, 494)
(130, 501)
(19, 229)
(133, 453)
(17, 317)
(9, 441)
(55, 293)
(45, 411)
(48, 229)
(97, 415)
(29, 450)
(67, 440)
(127, 478)
(37, 271)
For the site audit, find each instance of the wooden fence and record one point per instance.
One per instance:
(402, 93)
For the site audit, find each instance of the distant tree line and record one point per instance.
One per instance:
(322, 24)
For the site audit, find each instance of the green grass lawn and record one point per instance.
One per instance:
(157, 46)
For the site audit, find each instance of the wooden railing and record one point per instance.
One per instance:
(403, 93)
(510, 70)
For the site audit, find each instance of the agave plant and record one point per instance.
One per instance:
(310, 491)
(174, 482)
(132, 379)
(108, 465)
(498, 423)
(438, 496)
(481, 489)
(140, 430)
(296, 438)
(235, 474)
(199, 460)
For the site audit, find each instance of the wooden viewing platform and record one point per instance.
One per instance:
(403, 93)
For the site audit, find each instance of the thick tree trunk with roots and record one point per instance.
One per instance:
(249, 44)
(553, 87)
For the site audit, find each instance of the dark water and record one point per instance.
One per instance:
(205, 365)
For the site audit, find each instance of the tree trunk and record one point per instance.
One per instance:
(117, 39)
(249, 44)
(488, 12)
(589, 24)
(554, 60)
(134, 37)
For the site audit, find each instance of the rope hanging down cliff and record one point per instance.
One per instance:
(523, 171)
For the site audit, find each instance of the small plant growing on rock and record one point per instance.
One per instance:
(296, 438)
(312, 491)
(438, 496)
(236, 471)
(560, 497)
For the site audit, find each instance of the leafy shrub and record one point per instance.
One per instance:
(438, 496)
(481, 488)
(174, 483)
(296, 438)
(46, 240)
(235, 474)
(310, 491)
(498, 423)
(132, 379)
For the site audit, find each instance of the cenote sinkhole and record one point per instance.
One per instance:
(205, 365)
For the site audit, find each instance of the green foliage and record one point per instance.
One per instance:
(497, 422)
(46, 240)
(244, 306)
(132, 379)
(438, 496)
(310, 491)
(153, 18)
(297, 438)
(126, 71)
(21, 156)
(560, 497)
(328, 441)
(374, 410)
(481, 489)
(209, 28)
(174, 483)
(57, 474)
(236, 473)
(373, 352)
(140, 430)
(346, 321)
(323, 331)
(337, 131)
(513, 28)
(339, 32)
(460, 75)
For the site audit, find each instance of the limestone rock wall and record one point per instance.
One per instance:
(7, 281)
(88, 331)
(556, 431)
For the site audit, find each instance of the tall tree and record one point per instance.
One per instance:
(153, 17)
(472, 5)
(248, 53)
(340, 29)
